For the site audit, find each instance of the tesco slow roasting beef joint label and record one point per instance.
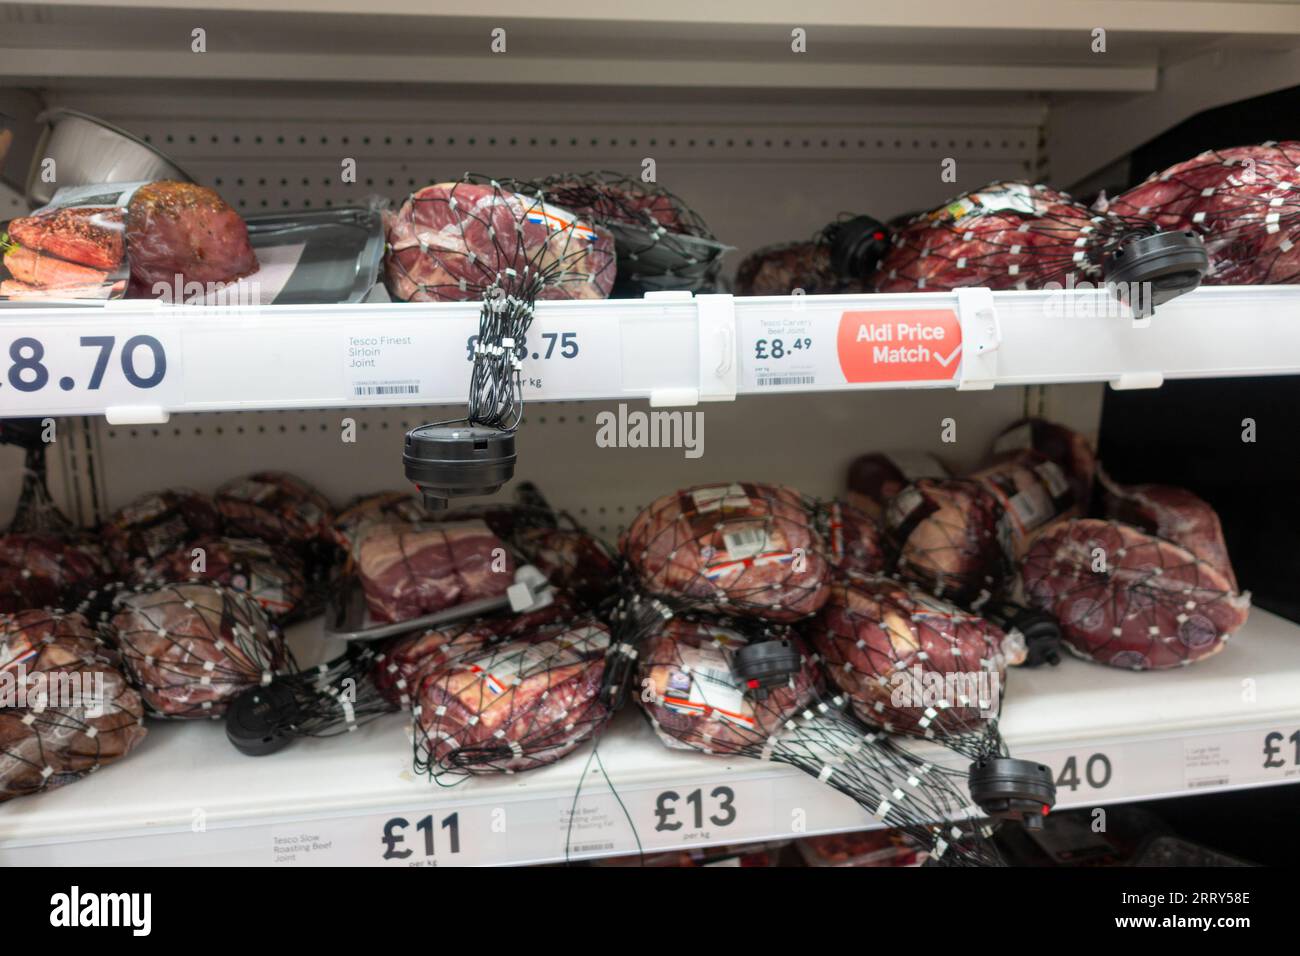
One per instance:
(797, 350)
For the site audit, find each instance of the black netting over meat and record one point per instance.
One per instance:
(1130, 599)
(65, 708)
(516, 705)
(1007, 235)
(190, 648)
(54, 570)
(661, 242)
(275, 577)
(854, 539)
(839, 259)
(691, 687)
(154, 526)
(943, 535)
(1243, 202)
(36, 510)
(915, 665)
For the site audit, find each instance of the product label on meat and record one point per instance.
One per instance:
(745, 542)
(1006, 197)
(720, 498)
(705, 685)
(513, 663)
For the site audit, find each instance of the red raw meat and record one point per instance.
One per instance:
(1031, 492)
(181, 229)
(452, 241)
(1174, 514)
(87, 235)
(386, 507)
(888, 647)
(1008, 235)
(943, 536)
(742, 548)
(572, 560)
(155, 525)
(278, 507)
(1243, 202)
(780, 269)
(522, 704)
(408, 572)
(190, 648)
(853, 538)
(274, 577)
(1129, 599)
(47, 570)
(1069, 450)
(47, 739)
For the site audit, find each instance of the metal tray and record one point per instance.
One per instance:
(343, 250)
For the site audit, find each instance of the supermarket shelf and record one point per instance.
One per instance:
(187, 797)
(669, 348)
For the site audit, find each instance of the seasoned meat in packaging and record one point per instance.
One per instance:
(67, 710)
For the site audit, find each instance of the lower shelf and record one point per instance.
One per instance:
(188, 798)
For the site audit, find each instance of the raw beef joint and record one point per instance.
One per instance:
(1008, 235)
(521, 704)
(274, 577)
(190, 648)
(181, 229)
(742, 548)
(910, 663)
(47, 570)
(71, 712)
(1174, 514)
(454, 241)
(1243, 202)
(854, 541)
(408, 572)
(943, 536)
(155, 525)
(277, 507)
(1130, 599)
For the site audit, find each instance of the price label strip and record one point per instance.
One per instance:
(70, 371)
(797, 350)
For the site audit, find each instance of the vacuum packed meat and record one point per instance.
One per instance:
(386, 507)
(453, 242)
(1130, 599)
(184, 230)
(68, 710)
(407, 572)
(943, 536)
(274, 577)
(742, 548)
(1067, 449)
(1242, 202)
(1174, 514)
(155, 525)
(854, 541)
(876, 477)
(48, 570)
(520, 705)
(278, 507)
(190, 648)
(1031, 491)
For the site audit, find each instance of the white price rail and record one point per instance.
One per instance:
(136, 359)
(187, 797)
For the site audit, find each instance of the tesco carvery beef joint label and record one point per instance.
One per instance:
(913, 345)
(800, 350)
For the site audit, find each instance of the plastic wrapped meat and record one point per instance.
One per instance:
(406, 573)
(72, 711)
(1007, 235)
(1175, 514)
(1130, 599)
(572, 560)
(184, 230)
(155, 525)
(522, 704)
(780, 269)
(277, 507)
(1242, 202)
(274, 577)
(190, 648)
(742, 548)
(1067, 449)
(910, 663)
(452, 242)
(854, 541)
(386, 507)
(943, 536)
(874, 478)
(1031, 492)
(48, 570)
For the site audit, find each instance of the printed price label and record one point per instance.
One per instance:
(920, 345)
(388, 366)
(69, 370)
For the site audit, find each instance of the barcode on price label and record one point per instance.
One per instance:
(766, 380)
(361, 389)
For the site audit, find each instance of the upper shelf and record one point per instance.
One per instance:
(1038, 45)
(136, 361)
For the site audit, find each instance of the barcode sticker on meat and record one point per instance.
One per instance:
(387, 367)
(1030, 507)
(901, 506)
(720, 498)
(714, 687)
(745, 542)
(1053, 478)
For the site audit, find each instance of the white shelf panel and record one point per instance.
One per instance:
(666, 349)
(188, 798)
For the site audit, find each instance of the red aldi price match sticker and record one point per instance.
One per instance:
(903, 345)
